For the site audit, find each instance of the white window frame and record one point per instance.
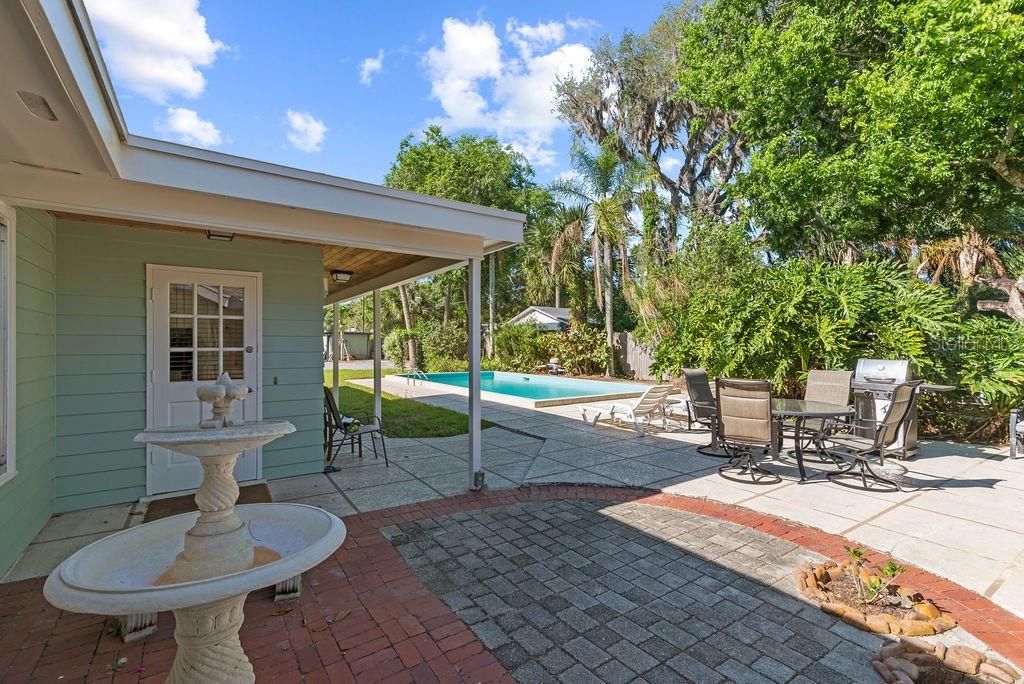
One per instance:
(8, 336)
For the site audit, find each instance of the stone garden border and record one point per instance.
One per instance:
(914, 660)
(923, 620)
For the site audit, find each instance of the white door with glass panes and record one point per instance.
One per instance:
(201, 323)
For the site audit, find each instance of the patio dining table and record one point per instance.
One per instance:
(800, 410)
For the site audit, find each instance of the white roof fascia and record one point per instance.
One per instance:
(63, 27)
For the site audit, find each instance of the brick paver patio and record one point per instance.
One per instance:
(610, 582)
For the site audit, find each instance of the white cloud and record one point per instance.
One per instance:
(305, 131)
(155, 48)
(470, 64)
(371, 66)
(189, 128)
(581, 24)
(471, 52)
(670, 164)
(527, 37)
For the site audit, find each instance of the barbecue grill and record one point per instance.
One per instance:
(873, 384)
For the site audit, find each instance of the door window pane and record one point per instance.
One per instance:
(181, 332)
(209, 365)
(234, 301)
(234, 332)
(208, 299)
(181, 366)
(181, 298)
(208, 332)
(233, 364)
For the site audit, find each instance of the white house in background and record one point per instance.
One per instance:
(544, 317)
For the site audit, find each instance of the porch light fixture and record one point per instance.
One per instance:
(341, 276)
(223, 237)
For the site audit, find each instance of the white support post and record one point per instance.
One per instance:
(475, 482)
(376, 356)
(335, 345)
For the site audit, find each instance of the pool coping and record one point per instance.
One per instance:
(523, 402)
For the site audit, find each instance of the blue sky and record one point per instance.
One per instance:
(334, 86)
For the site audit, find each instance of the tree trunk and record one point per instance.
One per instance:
(447, 313)
(490, 306)
(1013, 306)
(403, 297)
(558, 295)
(609, 332)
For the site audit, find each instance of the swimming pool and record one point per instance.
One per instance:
(540, 390)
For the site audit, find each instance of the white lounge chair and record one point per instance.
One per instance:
(652, 402)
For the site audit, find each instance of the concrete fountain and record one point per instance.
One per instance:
(201, 566)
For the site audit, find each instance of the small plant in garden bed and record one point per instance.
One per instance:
(869, 597)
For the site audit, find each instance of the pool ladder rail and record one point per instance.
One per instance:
(415, 374)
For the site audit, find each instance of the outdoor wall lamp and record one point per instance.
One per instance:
(341, 276)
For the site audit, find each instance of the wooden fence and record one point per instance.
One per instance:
(633, 358)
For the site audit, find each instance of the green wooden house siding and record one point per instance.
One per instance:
(101, 351)
(27, 500)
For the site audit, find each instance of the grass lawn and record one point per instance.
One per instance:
(353, 374)
(402, 417)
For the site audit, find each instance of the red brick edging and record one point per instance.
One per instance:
(365, 617)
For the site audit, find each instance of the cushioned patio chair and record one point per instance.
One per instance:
(701, 408)
(862, 452)
(338, 432)
(649, 405)
(746, 429)
(826, 386)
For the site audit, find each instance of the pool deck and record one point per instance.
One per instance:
(959, 517)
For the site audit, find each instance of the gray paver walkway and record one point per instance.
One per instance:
(586, 592)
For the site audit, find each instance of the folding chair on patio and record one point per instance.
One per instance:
(338, 432)
(746, 428)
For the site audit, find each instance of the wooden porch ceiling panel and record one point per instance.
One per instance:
(365, 264)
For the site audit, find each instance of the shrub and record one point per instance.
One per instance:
(581, 349)
(445, 364)
(521, 347)
(443, 346)
(396, 343)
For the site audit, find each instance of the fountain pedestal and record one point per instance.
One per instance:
(202, 565)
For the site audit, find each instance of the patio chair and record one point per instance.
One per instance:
(829, 387)
(701, 408)
(862, 451)
(746, 428)
(1016, 433)
(642, 409)
(337, 433)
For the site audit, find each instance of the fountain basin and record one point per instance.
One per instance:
(195, 441)
(116, 575)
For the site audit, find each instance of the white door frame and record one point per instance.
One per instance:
(152, 356)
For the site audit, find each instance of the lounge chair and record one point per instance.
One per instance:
(636, 411)
(552, 367)
(339, 430)
(746, 428)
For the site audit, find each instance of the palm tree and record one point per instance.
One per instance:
(604, 186)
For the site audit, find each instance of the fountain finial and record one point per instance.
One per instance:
(221, 394)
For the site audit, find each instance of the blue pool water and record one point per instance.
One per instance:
(537, 386)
